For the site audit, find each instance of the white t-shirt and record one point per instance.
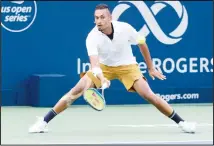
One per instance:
(117, 51)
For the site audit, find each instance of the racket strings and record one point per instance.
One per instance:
(95, 98)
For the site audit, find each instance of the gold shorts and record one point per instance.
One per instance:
(127, 74)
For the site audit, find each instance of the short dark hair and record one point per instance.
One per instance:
(101, 6)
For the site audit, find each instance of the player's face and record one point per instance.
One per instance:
(102, 19)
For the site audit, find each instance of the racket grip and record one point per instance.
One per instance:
(104, 86)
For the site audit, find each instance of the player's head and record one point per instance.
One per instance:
(102, 16)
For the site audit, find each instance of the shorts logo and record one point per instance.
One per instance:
(151, 23)
(18, 16)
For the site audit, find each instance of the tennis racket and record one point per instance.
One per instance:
(95, 97)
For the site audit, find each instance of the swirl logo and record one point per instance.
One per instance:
(151, 23)
(18, 16)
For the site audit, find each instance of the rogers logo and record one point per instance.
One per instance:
(18, 16)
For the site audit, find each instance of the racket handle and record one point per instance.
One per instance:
(104, 86)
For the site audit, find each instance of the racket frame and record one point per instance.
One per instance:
(101, 95)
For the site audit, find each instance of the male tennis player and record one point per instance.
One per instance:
(109, 49)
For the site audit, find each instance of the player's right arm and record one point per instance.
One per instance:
(95, 67)
(92, 49)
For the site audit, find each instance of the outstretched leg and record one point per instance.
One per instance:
(143, 89)
(69, 97)
(77, 91)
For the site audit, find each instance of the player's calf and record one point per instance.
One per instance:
(76, 92)
(62, 104)
(145, 92)
(167, 110)
(163, 107)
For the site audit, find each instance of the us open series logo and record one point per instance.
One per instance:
(18, 16)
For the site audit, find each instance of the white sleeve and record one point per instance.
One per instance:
(91, 45)
(134, 37)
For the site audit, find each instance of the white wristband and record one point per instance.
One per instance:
(96, 71)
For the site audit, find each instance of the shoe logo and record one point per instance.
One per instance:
(151, 23)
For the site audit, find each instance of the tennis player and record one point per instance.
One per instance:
(110, 53)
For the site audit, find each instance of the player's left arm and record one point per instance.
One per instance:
(146, 54)
(137, 39)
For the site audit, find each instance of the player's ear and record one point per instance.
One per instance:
(111, 17)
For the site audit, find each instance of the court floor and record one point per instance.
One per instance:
(133, 124)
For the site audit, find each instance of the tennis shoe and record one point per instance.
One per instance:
(39, 127)
(187, 127)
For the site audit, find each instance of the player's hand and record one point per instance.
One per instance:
(105, 83)
(156, 73)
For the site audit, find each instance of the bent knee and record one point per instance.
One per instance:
(74, 97)
(70, 98)
(84, 83)
(76, 91)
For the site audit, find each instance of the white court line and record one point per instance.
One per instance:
(160, 125)
(146, 142)
(165, 142)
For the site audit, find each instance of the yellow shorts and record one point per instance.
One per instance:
(127, 74)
